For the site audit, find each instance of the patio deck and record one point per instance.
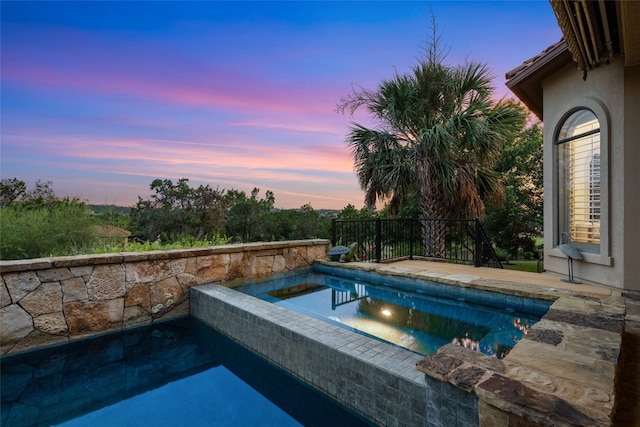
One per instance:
(542, 279)
(577, 366)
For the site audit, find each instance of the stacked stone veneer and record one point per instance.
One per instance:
(52, 300)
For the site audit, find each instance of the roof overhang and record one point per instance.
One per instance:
(525, 81)
(630, 39)
(589, 28)
(594, 33)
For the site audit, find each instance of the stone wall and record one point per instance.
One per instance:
(52, 300)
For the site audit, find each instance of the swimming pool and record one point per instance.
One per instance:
(172, 373)
(418, 315)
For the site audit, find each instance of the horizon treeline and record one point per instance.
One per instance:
(37, 223)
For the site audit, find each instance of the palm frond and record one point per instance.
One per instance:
(439, 134)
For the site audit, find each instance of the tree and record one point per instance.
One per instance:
(11, 190)
(515, 223)
(438, 136)
(409, 208)
(311, 224)
(296, 224)
(350, 212)
(246, 216)
(42, 194)
(177, 210)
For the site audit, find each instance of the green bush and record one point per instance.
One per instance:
(65, 229)
(502, 254)
(36, 223)
(57, 230)
(184, 243)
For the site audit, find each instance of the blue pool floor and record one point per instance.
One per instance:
(177, 373)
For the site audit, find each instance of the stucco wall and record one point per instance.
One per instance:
(51, 300)
(631, 264)
(606, 91)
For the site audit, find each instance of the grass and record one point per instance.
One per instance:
(522, 265)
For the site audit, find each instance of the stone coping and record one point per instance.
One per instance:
(562, 373)
(120, 257)
(49, 301)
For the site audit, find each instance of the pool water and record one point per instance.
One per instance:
(177, 373)
(418, 321)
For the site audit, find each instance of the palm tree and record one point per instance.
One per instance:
(438, 134)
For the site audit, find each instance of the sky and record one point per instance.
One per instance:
(101, 98)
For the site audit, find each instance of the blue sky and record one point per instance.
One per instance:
(101, 98)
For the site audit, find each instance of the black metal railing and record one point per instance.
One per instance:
(463, 241)
(341, 297)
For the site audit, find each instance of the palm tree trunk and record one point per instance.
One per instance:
(432, 208)
(434, 227)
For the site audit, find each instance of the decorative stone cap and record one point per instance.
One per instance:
(562, 373)
(114, 258)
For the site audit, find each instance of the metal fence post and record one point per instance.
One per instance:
(411, 238)
(378, 239)
(478, 244)
(333, 232)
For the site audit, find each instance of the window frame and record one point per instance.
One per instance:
(576, 199)
(603, 257)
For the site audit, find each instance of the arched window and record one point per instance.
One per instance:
(578, 175)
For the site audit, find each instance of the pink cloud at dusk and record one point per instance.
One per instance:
(173, 153)
(140, 68)
(217, 91)
(101, 98)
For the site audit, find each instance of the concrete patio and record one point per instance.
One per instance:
(504, 275)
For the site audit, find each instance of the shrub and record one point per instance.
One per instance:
(184, 243)
(44, 231)
(502, 254)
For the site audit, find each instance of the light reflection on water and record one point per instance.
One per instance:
(418, 322)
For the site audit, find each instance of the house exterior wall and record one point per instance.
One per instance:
(631, 264)
(611, 92)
